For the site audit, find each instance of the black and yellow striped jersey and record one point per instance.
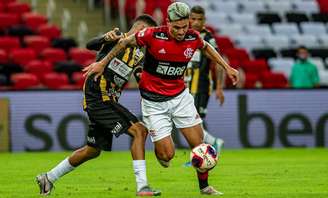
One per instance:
(116, 75)
(198, 77)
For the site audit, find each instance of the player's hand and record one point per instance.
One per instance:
(233, 75)
(220, 95)
(113, 35)
(94, 68)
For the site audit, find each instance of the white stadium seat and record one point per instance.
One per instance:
(279, 6)
(227, 7)
(285, 29)
(231, 30)
(213, 18)
(283, 65)
(313, 28)
(306, 40)
(307, 6)
(263, 30)
(277, 41)
(323, 75)
(249, 41)
(319, 63)
(243, 18)
(253, 6)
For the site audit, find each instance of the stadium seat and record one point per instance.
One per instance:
(262, 30)
(264, 53)
(6, 2)
(307, 6)
(319, 52)
(67, 67)
(323, 75)
(3, 80)
(243, 18)
(8, 43)
(249, 41)
(253, 6)
(18, 8)
(231, 30)
(323, 40)
(268, 18)
(288, 52)
(282, 65)
(237, 53)
(296, 17)
(319, 63)
(78, 79)
(255, 66)
(2, 7)
(20, 30)
(323, 4)
(271, 80)
(224, 42)
(213, 18)
(22, 56)
(38, 68)
(304, 40)
(313, 28)
(34, 20)
(24, 81)
(80, 55)
(3, 56)
(53, 55)
(55, 80)
(279, 6)
(228, 7)
(276, 41)
(37, 43)
(285, 29)
(63, 43)
(49, 30)
(251, 80)
(7, 20)
(320, 17)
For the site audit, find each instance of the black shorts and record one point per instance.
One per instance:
(201, 101)
(107, 119)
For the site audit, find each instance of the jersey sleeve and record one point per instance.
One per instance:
(143, 37)
(200, 41)
(211, 40)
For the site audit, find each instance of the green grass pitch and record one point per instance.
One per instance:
(240, 173)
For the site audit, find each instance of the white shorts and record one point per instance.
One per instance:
(158, 116)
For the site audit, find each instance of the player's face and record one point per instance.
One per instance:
(197, 21)
(178, 29)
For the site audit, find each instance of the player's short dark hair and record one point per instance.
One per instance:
(146, 19)
(302, 47)
(198, 10)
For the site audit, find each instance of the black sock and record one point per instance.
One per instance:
(202, 179)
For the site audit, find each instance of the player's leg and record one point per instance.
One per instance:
(188, 121)
(164, 150)
(201, 102)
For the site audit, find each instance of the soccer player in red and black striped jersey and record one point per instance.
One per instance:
(165, 99)
(198, 76)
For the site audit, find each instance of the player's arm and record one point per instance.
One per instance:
(212, 54)
(98, 42)
(98, 67)
(219, 84)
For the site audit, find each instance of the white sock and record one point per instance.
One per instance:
(61, 169)
(139, 167)
(208, 138)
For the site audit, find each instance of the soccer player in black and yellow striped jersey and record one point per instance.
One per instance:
(107, 116)
(198, 75)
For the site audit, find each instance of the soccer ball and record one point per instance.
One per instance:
(203, 157)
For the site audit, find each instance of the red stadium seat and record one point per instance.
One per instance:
(2, 7)
(55, 80)
(80, 55)
(224, 43)
(274, 80)
(8, 43)
(7, 20)
(251, 80)
(7, 1)
(53, 55)
(38, 67)
(78, 79)
(18, 8)
(255, 66)
(3, 56)
(38, 43)
(24, 81)
(22, 56)
(236, 53)
(34, 20)
(50, 31)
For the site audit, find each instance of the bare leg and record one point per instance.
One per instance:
(139, 133)
(83, 154)
(164, 150)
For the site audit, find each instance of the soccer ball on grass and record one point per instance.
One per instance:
(203, 157)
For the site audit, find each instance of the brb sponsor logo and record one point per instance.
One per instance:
(166, 69)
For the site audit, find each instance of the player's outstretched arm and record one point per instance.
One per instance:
(98, 42)
(212, 54)
(97, 68)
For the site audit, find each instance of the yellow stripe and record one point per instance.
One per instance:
(103, 85)
(194, 82)
(126, 55)
(131, 62)
(84, 100)
(4, 124)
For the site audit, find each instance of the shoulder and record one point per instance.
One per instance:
(192, 35)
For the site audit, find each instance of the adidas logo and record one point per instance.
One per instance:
(162, 51)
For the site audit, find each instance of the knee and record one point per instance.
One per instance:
(91, 152)
(166, 155)
(139, 131)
